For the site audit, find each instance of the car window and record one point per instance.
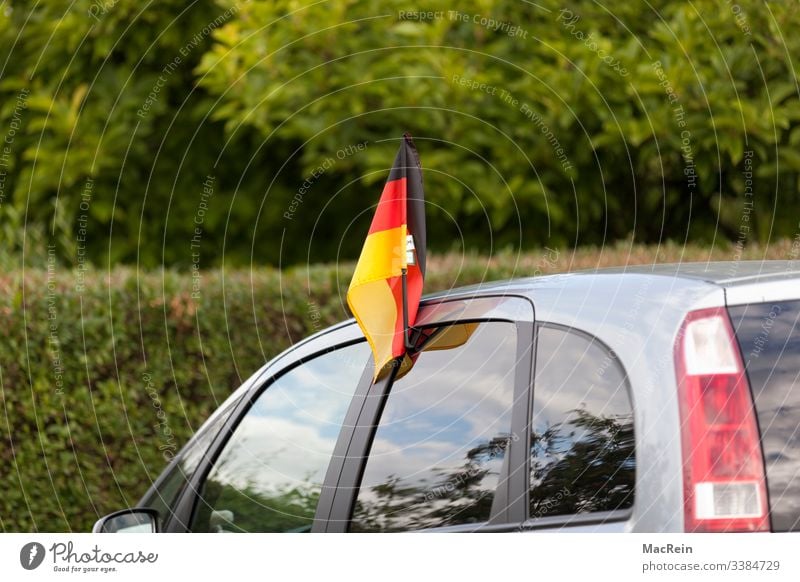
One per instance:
(163, 496)
(769, 339)
(439, 447)
(582, 443)
(269, 475)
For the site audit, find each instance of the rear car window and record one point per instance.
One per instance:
(582, 441)
(438, 451)
(769, 339)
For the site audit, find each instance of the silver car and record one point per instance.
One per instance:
(647, 399)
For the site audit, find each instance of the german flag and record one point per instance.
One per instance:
(394, 251)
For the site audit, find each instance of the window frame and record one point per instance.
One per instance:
(599, 518)
(351, 454)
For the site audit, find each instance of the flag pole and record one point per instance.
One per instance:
(407, 340)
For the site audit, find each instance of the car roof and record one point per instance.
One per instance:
(700, 276)
(724, 274)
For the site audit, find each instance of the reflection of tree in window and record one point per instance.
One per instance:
(582, 441)
(252, 509)
(585, 464)
(439, 448)
(457, 496)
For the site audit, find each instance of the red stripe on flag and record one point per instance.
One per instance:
(414, 282)
(391, 211)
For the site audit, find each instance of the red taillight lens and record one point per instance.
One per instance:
(724, 488)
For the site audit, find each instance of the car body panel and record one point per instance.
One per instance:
(636, 312)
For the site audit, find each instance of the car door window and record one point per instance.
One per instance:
(269, 475)
(438, 450)
(582, 442)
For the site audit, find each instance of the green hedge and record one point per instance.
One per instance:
(538, 122)
(104, 375)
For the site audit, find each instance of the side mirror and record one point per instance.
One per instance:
(134, 520)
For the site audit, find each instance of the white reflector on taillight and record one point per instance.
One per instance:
(726, 500)
(724, 486)
(707, 348)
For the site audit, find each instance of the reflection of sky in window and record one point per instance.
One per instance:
(451, 401)
(288, 436)
(574, 372)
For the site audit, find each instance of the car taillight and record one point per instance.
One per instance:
(724, 488)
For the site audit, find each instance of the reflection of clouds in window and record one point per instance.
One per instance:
(782, 460)
(454, 405)
(577, 374)
(439, 447)
(270, 473)
(318, 392)
(270, 453)
(470, 394)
